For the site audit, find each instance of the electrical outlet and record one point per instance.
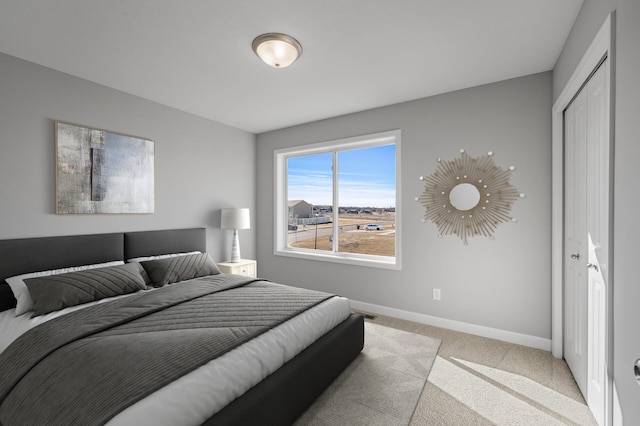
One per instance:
(436, 294)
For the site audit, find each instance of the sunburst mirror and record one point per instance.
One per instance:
(468, 196)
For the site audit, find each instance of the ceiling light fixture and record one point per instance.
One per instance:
(276, 49)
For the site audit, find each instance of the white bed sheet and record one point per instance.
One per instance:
(195, 397)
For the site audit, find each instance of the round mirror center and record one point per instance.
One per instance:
(464, 196)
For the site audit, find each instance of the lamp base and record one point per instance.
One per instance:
(235, 248)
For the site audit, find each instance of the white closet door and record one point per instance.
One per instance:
(586, 239)
(598, 233)
(575, 275)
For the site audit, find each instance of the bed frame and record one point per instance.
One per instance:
(278, 400)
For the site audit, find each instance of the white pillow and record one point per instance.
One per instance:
(21, 292)
(161, 256)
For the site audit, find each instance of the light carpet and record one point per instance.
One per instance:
(476, 381)
(382, 385)
(504, 398)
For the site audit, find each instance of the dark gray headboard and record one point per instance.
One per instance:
(151, 243)
(20, 256)
(40, 254)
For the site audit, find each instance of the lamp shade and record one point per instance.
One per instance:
(276, 49)
(235, 219)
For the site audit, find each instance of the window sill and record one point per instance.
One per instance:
(367, 261)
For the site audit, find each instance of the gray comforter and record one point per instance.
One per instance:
(86, 366)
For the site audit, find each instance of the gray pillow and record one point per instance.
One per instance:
(55, 292)
(174, 269)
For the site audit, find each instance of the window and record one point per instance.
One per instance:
(337, 201)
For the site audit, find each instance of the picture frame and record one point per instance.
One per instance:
(103, 172)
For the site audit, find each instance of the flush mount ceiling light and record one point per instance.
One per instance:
(276, 49)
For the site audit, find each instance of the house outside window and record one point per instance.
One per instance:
(337, 201)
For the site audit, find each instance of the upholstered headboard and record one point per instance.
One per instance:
(20, 256)
(151, 243)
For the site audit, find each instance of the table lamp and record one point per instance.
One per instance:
(235, 219)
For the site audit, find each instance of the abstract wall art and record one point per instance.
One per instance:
(102, 172)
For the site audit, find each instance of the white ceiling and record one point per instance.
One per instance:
(195, 55)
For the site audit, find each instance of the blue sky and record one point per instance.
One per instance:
(367, 177)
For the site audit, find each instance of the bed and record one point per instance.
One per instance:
(278, 398)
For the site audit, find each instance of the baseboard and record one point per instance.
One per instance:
(478, 330)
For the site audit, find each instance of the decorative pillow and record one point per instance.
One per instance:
(161, 256)
(56, 292)
(180, 268)
(21, 292)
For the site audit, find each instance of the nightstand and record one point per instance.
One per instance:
(243, 267)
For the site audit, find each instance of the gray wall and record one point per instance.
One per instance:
(626, 288)
(502, 283)
(192, 182)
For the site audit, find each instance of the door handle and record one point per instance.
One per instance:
(575, 256)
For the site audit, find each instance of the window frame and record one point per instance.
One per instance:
(281, 211)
